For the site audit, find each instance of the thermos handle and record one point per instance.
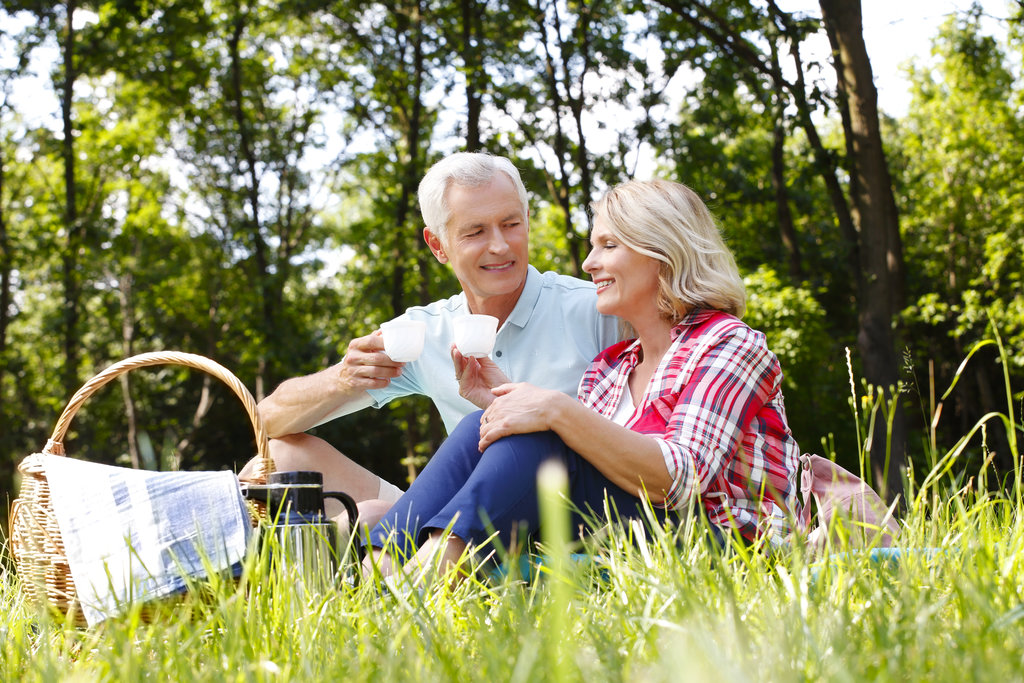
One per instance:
(353, 513)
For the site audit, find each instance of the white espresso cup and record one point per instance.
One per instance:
(474, 334)
(403, 339)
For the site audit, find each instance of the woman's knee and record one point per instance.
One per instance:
(529, 451)
(468, 427)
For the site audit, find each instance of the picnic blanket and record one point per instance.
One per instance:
(136, 535)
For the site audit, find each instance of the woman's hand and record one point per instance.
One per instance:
(477, 376)
(519, 409)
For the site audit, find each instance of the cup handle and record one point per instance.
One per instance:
(353, 513)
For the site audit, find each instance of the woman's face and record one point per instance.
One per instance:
(627, 281)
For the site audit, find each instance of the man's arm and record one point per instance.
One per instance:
(301, 403)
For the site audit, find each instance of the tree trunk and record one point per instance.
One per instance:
(410, 182)
(410, 165)
(472, 39)
(73, 229)
(264, 278)
(124, 292)
(875, 215)
(787, 231)
(6, 267)
(559, 187)
(828, 170)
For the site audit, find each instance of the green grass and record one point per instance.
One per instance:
(652, 611)
(668, 607)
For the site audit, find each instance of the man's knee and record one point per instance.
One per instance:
(293, 449)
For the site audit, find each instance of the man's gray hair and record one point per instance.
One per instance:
(468, 169)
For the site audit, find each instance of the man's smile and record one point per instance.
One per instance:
(499, 266)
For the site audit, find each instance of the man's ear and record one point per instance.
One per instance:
(436, 247)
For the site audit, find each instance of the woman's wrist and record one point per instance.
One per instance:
(563, 412)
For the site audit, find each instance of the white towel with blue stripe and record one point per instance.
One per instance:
(135, 535)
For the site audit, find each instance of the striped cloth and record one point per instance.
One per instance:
(715, 406)
(133, 535)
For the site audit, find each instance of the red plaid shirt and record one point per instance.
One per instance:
(714, 405)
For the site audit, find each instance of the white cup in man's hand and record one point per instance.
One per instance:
(403, 339)
(474, 334)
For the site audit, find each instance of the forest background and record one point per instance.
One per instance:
(237, 180)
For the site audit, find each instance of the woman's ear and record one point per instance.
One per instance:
(435, 245)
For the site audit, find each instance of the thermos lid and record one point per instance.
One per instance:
(292, 497)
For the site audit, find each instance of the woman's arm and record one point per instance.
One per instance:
(689, 434)
(632, 461)
(711, 409)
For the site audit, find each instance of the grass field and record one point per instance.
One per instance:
(668, 607)
(660, 610)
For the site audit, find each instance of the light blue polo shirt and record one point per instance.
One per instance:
(548, 340)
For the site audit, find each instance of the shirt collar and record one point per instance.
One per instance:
(523, 310)
(694, 318)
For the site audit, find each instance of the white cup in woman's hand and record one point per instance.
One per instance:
(474, 334)
(403, 339)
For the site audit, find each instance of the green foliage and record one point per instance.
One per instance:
(796, 329)
(548, 241)
(246, 176)
(961, 148)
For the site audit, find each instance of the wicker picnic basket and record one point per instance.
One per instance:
(35, 539)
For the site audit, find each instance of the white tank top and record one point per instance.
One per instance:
(625, 409)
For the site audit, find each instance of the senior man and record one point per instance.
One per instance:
(476, 214)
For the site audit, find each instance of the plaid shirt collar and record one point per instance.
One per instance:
(604, 382)
(695, 318)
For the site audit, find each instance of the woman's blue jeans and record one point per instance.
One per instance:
(494, 491)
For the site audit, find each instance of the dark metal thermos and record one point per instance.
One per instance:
(305, 537)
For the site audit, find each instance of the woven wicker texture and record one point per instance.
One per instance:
(35, 539)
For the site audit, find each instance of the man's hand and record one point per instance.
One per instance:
(301, 403)
(476, 377)
(365, 365)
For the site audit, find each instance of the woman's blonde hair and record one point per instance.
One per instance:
(667, 221)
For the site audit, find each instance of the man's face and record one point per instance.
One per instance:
(487, 242)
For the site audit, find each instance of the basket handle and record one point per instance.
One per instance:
(55, 445)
